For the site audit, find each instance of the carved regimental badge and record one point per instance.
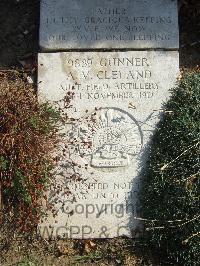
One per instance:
(114, 138)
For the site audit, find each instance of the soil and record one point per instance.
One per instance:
(24, 251)
(19, 23)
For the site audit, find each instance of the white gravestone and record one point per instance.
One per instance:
(86, 24)
(117, 101)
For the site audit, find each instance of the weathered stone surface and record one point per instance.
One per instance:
(118, 99)
(135, 24)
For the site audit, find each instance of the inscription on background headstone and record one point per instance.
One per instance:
(117, 99)
(134, 24)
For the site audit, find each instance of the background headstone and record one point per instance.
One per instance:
(117, 99)
(134, 24)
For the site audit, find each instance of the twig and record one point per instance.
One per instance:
(169, 221)
(190, 44)
(171, 226)
(193, 175)
(190, 237)
(11, 70)
(166, 165)
(14, 71)
(156, 227)
(189, 221)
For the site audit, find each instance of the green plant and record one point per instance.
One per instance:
(170, 195)
(93, 256)
(28, 262)
(28, 134)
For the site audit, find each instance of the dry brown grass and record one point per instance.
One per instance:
(28, 135)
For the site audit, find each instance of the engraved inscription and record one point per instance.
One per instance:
(109, 24)
(115, 78)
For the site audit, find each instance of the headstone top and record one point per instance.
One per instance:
(109, 24)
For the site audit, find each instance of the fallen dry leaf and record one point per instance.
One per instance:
(90, 246)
